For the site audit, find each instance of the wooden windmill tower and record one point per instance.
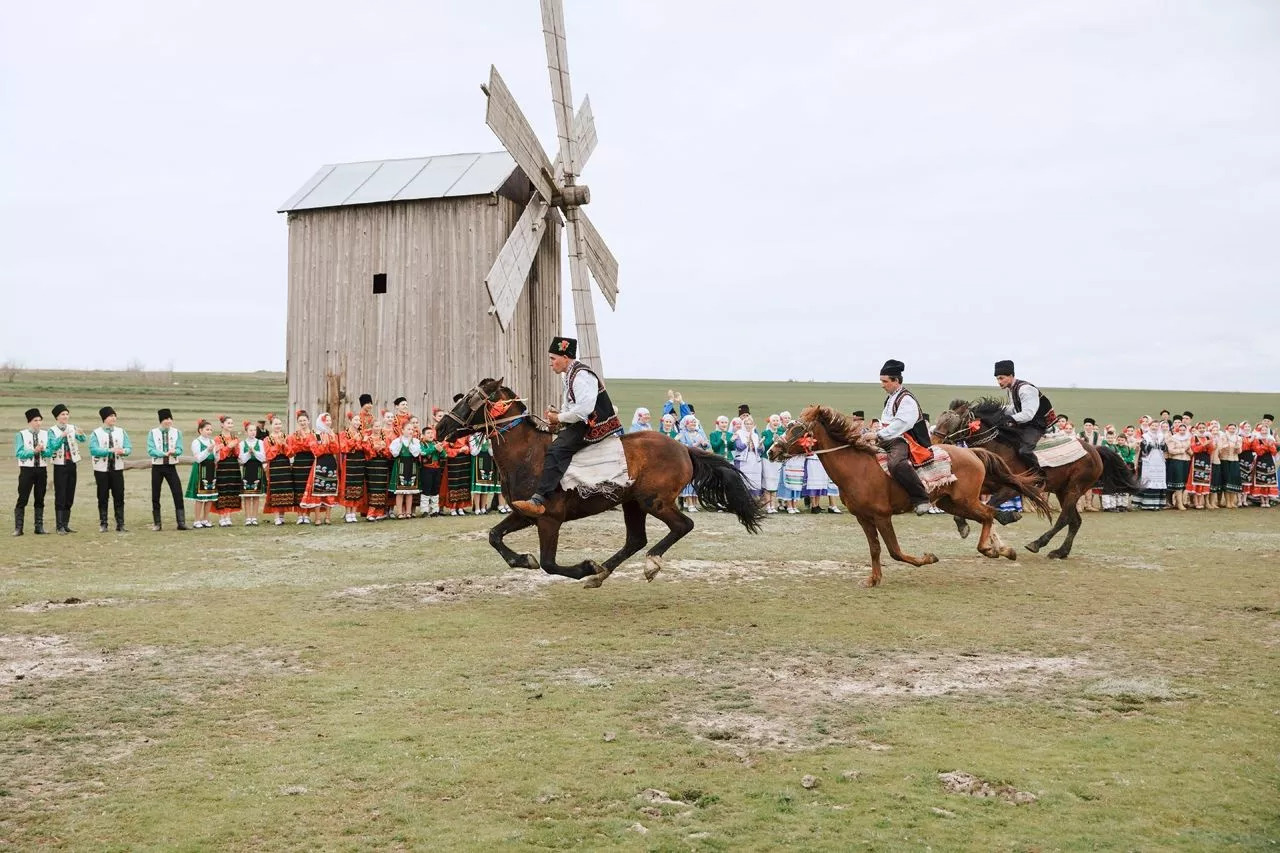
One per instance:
(556, 188)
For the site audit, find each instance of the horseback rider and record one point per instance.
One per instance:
(586, 416)
(901, 417)
(1029, 411)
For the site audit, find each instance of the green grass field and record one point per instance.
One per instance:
(395, 686)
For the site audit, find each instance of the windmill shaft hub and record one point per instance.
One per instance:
(573, 195)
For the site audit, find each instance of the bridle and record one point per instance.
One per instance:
(807, 441)
(971, 432)
(496, 422)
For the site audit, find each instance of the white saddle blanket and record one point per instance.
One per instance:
(1054, 451)
(599, 468)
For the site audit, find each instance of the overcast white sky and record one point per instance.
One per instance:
(793, 190)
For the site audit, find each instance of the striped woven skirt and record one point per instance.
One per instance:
(280, 492)
(229, 484)
(353, 480)
(377, 479)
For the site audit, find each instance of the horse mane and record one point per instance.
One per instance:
(988, 410)
(533, 420)
(840, 427)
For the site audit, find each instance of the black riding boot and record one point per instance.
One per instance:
(102, 520)
(66, 521)
(182, 518)
(39, 521)
(19, 518)
(120, 521)
(155, 519)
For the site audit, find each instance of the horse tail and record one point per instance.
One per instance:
(999, 475)
(719, 485)
(1116, 476)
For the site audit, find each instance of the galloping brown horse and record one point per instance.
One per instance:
(982, 424)
(874, 497)
(659, 467)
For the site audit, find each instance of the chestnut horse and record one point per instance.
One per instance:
(660, 468)
(983, 424)
(874, 497)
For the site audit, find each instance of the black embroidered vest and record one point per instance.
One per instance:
(1044, 412)
(919, 431)
(603, 420)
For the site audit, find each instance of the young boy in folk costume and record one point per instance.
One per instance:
(202, 487)
(281, 495)
(253, 479)
(108, 445)
(405, 450)
(33, 447)
(301, 441)
(377, 470)
(1201, 474)
(484, 476)
(229, 481)
(66, 455)
(1229, 444)
(1262, 480)
(401, 417)
(433, 460)
(351, 468)
(322, 483)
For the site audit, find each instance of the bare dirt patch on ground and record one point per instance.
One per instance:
(959, 782)
(781, 703)
(448, 590)
(66, 603)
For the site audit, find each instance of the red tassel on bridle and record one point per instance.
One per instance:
(498, 409)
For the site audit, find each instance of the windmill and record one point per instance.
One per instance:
(555, 187)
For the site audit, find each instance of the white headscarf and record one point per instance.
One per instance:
(324, 423)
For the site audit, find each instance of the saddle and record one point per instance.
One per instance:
(933, 473)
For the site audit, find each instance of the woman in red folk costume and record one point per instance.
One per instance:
(281, 497)
(351, 468)
(304, 460)
(1261, 480)
(1201, 476)
(230, 482)
(377, 472)
(322, 484)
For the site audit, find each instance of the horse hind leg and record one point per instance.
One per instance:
(873, 544)
(634, 517)
(549, 542)
(962, 526)
(679, 524)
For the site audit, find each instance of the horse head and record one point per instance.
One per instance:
(475, 410)
(953, 423)
(796, 440)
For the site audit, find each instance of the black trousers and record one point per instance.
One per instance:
(64, 488)
(1029, 434)
(166, 474)
(570, 439)
(110, 482)
(901, 471)
(30, 480)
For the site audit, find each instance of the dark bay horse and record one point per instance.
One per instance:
(659, 467)
(982, 424)
(873, 497)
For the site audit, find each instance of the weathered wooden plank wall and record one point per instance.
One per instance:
(431, 334)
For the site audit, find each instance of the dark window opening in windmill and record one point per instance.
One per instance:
(379, 282)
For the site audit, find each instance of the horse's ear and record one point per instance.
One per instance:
(501, 380)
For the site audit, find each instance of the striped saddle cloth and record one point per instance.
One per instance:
(935, 473)
(1054, 451)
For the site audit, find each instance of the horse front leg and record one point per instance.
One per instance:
(1064, 517)
(884, 525)
(873, 544)
(513, 522)
(1073, 527)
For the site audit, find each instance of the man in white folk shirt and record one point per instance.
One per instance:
(32, 447)
(586, 416)
(164, 446)
(1029, 410)
(901, 417)
(108, 445)
(66, 456)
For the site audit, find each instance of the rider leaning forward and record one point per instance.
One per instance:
(586, 416)
(1028, 409)
(902, 418)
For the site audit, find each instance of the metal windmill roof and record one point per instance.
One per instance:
(447, 176)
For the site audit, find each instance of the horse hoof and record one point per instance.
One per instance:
(531, 562)
(929, 559)
(1009, 554)
(964, 531)
(1033, 547)
(1057, 555)
(653, 565)
(593, 582)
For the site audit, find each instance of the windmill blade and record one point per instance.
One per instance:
(558, 71)
(584, 136)
(508, 123)
(603, 265)
(584, 313)
(507, 276)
